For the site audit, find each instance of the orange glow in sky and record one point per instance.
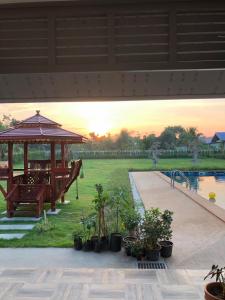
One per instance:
(140, 117)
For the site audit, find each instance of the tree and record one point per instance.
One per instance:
(170, 137)
(191, 138)
(123, 141)
(148, 141)
(6, 122)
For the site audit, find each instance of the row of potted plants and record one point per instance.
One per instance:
(95, 235)
(144, 237)
(150, 235)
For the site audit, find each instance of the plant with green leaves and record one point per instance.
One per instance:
(78, 234)
(167, 219)
(89, 225)
(131, 218)
(152, 228)
(137, 248)
(118, 202)
(99, 202)
(44, 225)
(219, 275)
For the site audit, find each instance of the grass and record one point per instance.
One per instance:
(107, 172)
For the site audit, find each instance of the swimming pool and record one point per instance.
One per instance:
(205, 182)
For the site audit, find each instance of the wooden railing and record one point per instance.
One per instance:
(26, 193)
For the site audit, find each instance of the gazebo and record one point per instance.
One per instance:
(39, 181)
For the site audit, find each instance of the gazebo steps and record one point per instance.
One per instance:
(11, 236)
(16, 226)
(22, 219)
(9, 230)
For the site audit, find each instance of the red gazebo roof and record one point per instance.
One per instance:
(39, 129)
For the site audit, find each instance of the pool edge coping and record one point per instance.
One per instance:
(217, 211)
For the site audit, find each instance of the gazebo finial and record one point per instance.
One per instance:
(38, 112)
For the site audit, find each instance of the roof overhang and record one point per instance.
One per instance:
(111, 50)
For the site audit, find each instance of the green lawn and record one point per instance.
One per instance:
(106, 172)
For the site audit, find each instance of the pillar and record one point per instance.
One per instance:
(25, 157)
(53, 183)
(10, 165)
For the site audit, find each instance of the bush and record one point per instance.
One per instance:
(131, 219)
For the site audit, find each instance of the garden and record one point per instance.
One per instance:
(111, 175)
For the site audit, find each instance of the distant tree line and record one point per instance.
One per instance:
(176, 138)
(171, 138)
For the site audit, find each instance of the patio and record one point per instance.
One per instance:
(111, 284)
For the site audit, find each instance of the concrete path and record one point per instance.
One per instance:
(63, 258)
(198, 236)
(101, 284)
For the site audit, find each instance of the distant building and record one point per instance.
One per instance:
(219, 139)
(205, 140)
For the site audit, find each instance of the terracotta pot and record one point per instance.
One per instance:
(211, 290)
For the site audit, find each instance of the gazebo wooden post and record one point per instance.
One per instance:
(63, 164)
(10, 166)
(63, 155)
(25, 157)
(53, 182)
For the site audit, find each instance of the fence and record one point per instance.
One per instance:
(138, 154)
(120, 154)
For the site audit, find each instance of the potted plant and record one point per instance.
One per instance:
(99, 204)
(137, 249)
(131, 219)
(117, 199)
(77, 240)
(151, 230)
(166, 243)
(87, 226)
(128, 247)
(215, 290)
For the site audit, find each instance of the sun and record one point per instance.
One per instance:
(99, 126)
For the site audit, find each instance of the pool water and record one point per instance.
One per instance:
(204, 183)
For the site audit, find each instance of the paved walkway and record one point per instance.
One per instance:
(198, 236)
(62, 258)
(101, 284)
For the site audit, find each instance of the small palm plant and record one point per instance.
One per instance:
(219, 275)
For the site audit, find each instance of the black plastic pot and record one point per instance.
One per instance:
(104, 243)
(78, 243)
(166, 248)
(98, 246)
(139, 257)
(153, 254)
(115, 242)
(128, 250)
(87, 246)
(94, 240)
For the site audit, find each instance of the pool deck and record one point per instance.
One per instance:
(198, 235)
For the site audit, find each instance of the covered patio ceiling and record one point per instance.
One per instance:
(111, 50)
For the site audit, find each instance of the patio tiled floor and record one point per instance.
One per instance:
(110, 284)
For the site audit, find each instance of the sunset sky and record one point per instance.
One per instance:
(136, 116)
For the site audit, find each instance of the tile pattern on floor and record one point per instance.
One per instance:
(92, 284)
